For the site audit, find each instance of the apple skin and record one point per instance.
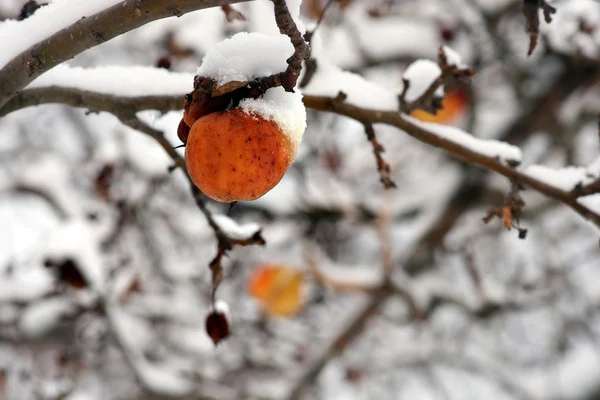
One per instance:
(236, 156)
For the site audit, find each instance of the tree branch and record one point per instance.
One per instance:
(87, 33)
(116, 105)
(456, 150)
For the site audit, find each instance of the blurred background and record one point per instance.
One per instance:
(104, 279)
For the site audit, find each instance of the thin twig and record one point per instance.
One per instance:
(382, 166)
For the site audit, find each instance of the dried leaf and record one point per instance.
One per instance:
(279, 289)
(67, 271)
(133, 287)
(507, 217)
(227, 88)
(217, 326)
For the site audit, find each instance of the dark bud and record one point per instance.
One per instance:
(353, 374)
(67, 271)
(103, 181)
(164, 62)
(447, 34)
(29, 8)
(217, 326)
(522, 233)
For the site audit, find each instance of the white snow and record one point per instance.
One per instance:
(564, 33)
(489, 148)
(222, 307)
(50, 175)
(145, 154)
(20, 35)
(75, 239)
(130, 81)
(420, 75)
(41, 317)
(162, 379)
(26, 284)
(386, 38)
(564, 178)
(246, 56)
(329, 80)
(235, 230)
(452, 57)
(284, 108)
(352, 277)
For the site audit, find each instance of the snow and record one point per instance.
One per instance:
(130, 81)
(392, 35)
(345, 276)
(41, 317)
(45, 22)
(246, 56)
(420, 75)
(591, 202)
(284, 108)
(162, 379)
(564, 178)
(235, 230)
(329, 80)
(452, 57)
(145, 154)
(51, 176)
(75, 239)
(26, 285)
(489, 148)
(222, 307)
(564, 33)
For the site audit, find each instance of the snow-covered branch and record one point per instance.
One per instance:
(78, 29)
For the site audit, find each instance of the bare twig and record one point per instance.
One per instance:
(286, 25)
(382, 166)
(531, 11)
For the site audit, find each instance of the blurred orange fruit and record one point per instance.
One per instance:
(278, 288)
(453, 105)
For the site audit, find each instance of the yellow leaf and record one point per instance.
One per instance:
(279, 289)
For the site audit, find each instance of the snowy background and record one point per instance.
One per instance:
(104, 278)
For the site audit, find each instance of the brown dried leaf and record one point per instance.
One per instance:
(133, 287)
(227, 88)
(217, 326)
(507, 217)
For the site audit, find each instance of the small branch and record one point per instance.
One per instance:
(93, 101)
(286, 25)
(382, 166)
(531, 11)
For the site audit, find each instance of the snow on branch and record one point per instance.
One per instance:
(78, 26)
